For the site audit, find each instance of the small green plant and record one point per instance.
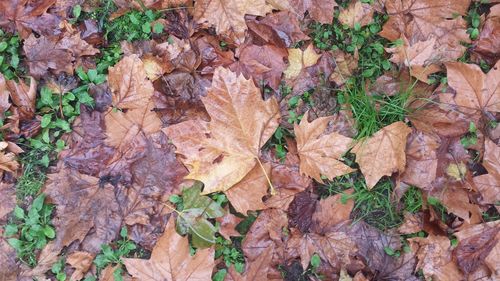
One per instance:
(109, 57)
(294, 102)
(231, 254)
(438, 207)
(58, 270)
(392, 252)
(474, 19)
(30, 231)
(35, 163)
(194, 213)
(413, 200)
(376, 206)
(10, 46)
(112, 254)
(133, 26)
(470, 138)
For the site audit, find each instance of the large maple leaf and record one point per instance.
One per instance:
(319, 152)
(223, 151)
(383, 153)
(489, 184)
(475, 90)
(171, 260)
(228, 16)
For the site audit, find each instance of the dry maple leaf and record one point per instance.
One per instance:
(81, 262)
(9, 268)
(171, 260)
(299, 60)
(489, 184)
(488, 44)
(220, 153)
(129, 83)
(319, 153)
(475, 90)
(434, 258)
(319, 10)
(422, 160)
(24, 16)
(55, 53)
(383, 153)
(248, 193)
(254, 270)
(228, 16)
(356, 12)
(7, 199)
(7, 159)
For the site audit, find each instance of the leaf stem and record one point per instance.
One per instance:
(273, 190)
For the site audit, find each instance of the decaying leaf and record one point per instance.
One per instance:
(7, 199)
(319, 10)
(170, 260)
(383, 153)
(319, 153)
(81, 262)
(129, 83)
(220, 153)
(475, 90)
(356, 13)
(228, 16)
(489, 184)
(255, 270)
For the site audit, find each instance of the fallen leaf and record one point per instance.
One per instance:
(332, 211)
(475, 90)
(434, 258)
(281, 29)
(383, 153)
(129, 83)
(4, 97)
(170, 260)
(489, 184)
(23, 97)
(300, 211)
(422, 20)
(26, 16)
(228, 16)
(230, 142)
(475, 244)
(254, 270)
(345, 66)
(412, 223)
(299, 60)
(8, 199)
(319, 10)
(488, 44)
(421, 159)
(228, 225)
(320, 153)
(57, 54)
(8, 160)
(81, 262)
(356, 13)
(264, 64)
(8, 267)
(249, 192)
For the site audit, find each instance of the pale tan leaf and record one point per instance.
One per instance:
(299, 60)
(228, 16)
(319, 153)
(474, 89)
(171, 260)
(383, 153)
(81, 262)
(129, 83)
(356, 12)
(222, 152)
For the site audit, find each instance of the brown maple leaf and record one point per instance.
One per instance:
(475, 90)
(220, 153)
(489, 184)
(57, 54)
(249, 192)
(488, 44)
(356, 12)
(81, 262)
(24, 16)
(264, 64)
(383, 153)
(475, 244)
(319, 10)
(254, 270)
(129, 83)
(422, 159)
(319, 152)
(9, 268)
(228, 16)
(8, 160)
(171, 260)
(434, 258)
(7, 199)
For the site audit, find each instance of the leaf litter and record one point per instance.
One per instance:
(221, 140)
